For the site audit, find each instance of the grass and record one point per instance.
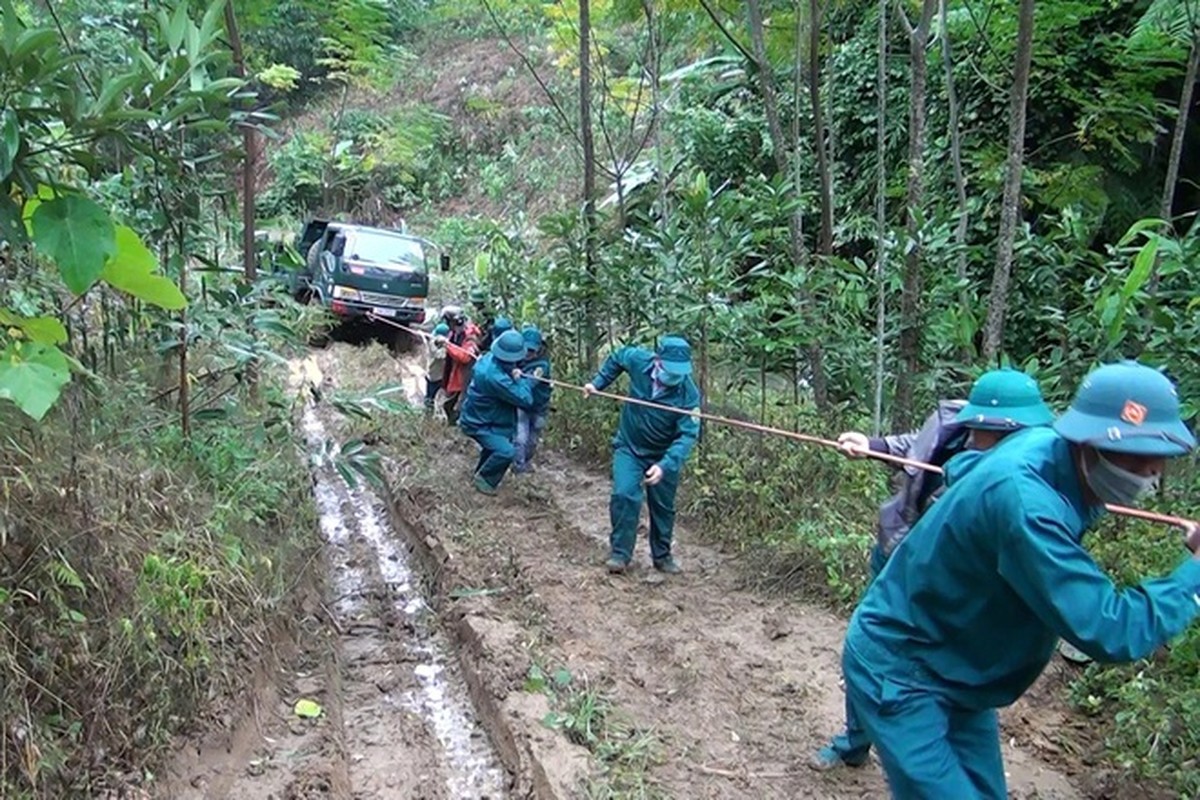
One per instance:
(586, 715)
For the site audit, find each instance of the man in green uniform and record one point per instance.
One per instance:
(489, 414)
(650, 447)
(964, 616)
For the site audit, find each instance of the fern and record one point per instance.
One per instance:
(1177, 20)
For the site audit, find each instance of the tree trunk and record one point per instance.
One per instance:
(653, 67)
(1167, 207)
(1011, 204)
(589, 177)
(910, 297)
(881, 234)
(820, 134)
(250, 268)
(780, 148)
(960, 180)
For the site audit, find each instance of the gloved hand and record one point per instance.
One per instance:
(439, 340)
(653, 475)
(588, 390)
(538, 372)
(516, 373)
(854, 444)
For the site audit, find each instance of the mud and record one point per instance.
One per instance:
(396, 718)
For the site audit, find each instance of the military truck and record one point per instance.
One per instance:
(355, 270)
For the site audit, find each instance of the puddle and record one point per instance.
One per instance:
(441, 701)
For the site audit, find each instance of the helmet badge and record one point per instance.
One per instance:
(1133, 413)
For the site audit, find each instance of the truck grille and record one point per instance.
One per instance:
(388, 300)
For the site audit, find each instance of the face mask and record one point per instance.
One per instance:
(1113, 484)
(667, 379)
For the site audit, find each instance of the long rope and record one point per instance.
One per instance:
(1150, 516)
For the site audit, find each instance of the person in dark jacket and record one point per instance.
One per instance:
(489, 414)
(530, 423)
(650, 447)
(1001, 401)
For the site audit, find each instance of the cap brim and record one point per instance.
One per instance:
(1168, 441)
(1007, 420)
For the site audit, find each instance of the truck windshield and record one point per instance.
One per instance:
(386, 250)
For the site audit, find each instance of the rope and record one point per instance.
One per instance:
(1150, 516)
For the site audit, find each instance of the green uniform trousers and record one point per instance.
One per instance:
(629, 470)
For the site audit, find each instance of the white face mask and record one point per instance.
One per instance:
(1114, 484)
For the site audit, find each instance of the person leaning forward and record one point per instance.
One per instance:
(1001, 402)
(650, 446)
(965, 615)
(489, 414)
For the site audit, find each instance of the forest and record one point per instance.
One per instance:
(850, 208)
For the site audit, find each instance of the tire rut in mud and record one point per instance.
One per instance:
(396, 720)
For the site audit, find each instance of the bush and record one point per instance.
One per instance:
(141, 573)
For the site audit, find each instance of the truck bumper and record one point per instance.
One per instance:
(351, 309)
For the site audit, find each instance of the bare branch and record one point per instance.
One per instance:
(741, 48)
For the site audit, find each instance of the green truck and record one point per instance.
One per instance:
(355, 270)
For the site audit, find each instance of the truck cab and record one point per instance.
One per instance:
(354, 270)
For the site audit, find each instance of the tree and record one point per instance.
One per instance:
(911, 320)
(881, 234)
(956, 162)
(1179, 20)
(820, 131)
(1011, 203)
(780, 150)
(589, 165)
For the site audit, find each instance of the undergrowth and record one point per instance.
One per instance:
(586, 715)
(143, 575)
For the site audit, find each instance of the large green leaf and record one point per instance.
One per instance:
(32, 376)
(43, 330)
(131, 269)
(78, 235)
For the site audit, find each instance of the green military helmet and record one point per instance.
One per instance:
(1005, 400)
(1127, 408)
(478, 295)
(509, 347)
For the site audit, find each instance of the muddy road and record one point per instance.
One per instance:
(466, 646)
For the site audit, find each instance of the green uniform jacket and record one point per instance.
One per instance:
(665, 437)
(970, 605)
(493, 398)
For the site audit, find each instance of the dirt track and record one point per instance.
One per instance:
(736, 689)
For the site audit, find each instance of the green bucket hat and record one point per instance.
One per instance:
(501, 325)
(1127, 408)
(1005, 400)
(478, 295)
(675, 354)
(441, 329)
(509, 348)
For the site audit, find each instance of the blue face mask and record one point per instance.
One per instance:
(1114, 484)
(666, 378)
